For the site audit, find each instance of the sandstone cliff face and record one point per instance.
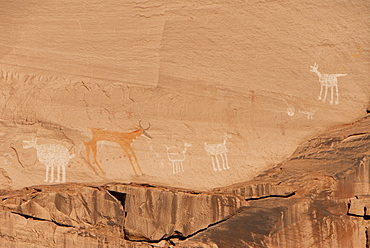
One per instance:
(317, 198)
(113, 215)
(241, 76)
(176, 123)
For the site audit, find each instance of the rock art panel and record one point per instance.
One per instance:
(317, 198)
(195, 69)
(189, 68)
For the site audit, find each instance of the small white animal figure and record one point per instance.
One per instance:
(309, 113)
(216, 150)
(327, 81)
(51, 155)
(177, 156)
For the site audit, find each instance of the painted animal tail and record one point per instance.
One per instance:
(340, 75)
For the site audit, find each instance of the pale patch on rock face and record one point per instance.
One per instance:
(7, 158)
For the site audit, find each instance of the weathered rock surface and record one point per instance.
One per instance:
(117, 212)
(158, 213)
(207, 74)
(317, 198)
(176, 123)
(326, 206)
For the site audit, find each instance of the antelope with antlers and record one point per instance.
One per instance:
(123, 139)
(327, 81)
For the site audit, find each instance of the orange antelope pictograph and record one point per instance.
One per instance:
(123, 139)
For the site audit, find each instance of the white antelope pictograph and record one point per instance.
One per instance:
(177, 156)
(218, 150)
(123, 139)
(51, 155)
(327, 81)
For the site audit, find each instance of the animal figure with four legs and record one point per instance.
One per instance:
(177, 156)
(51, 155)
(327, 81)
(218, 150)
(123, 139)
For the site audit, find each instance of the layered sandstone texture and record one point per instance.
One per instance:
(226, 89)
(159, 123)
(317, 198)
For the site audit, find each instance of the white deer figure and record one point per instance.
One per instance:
(51, 155)
(216, 150)
(177, 156)
(327, 81)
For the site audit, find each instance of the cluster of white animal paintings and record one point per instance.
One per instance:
(216, 151)
(51, 156)
(327, 81)
(177, 155)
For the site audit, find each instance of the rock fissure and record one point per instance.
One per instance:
(179, 236)
(363, 215)
(270, 196)
(121, 197)
(40, 219)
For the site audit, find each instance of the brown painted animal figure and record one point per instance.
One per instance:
(123, 139)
